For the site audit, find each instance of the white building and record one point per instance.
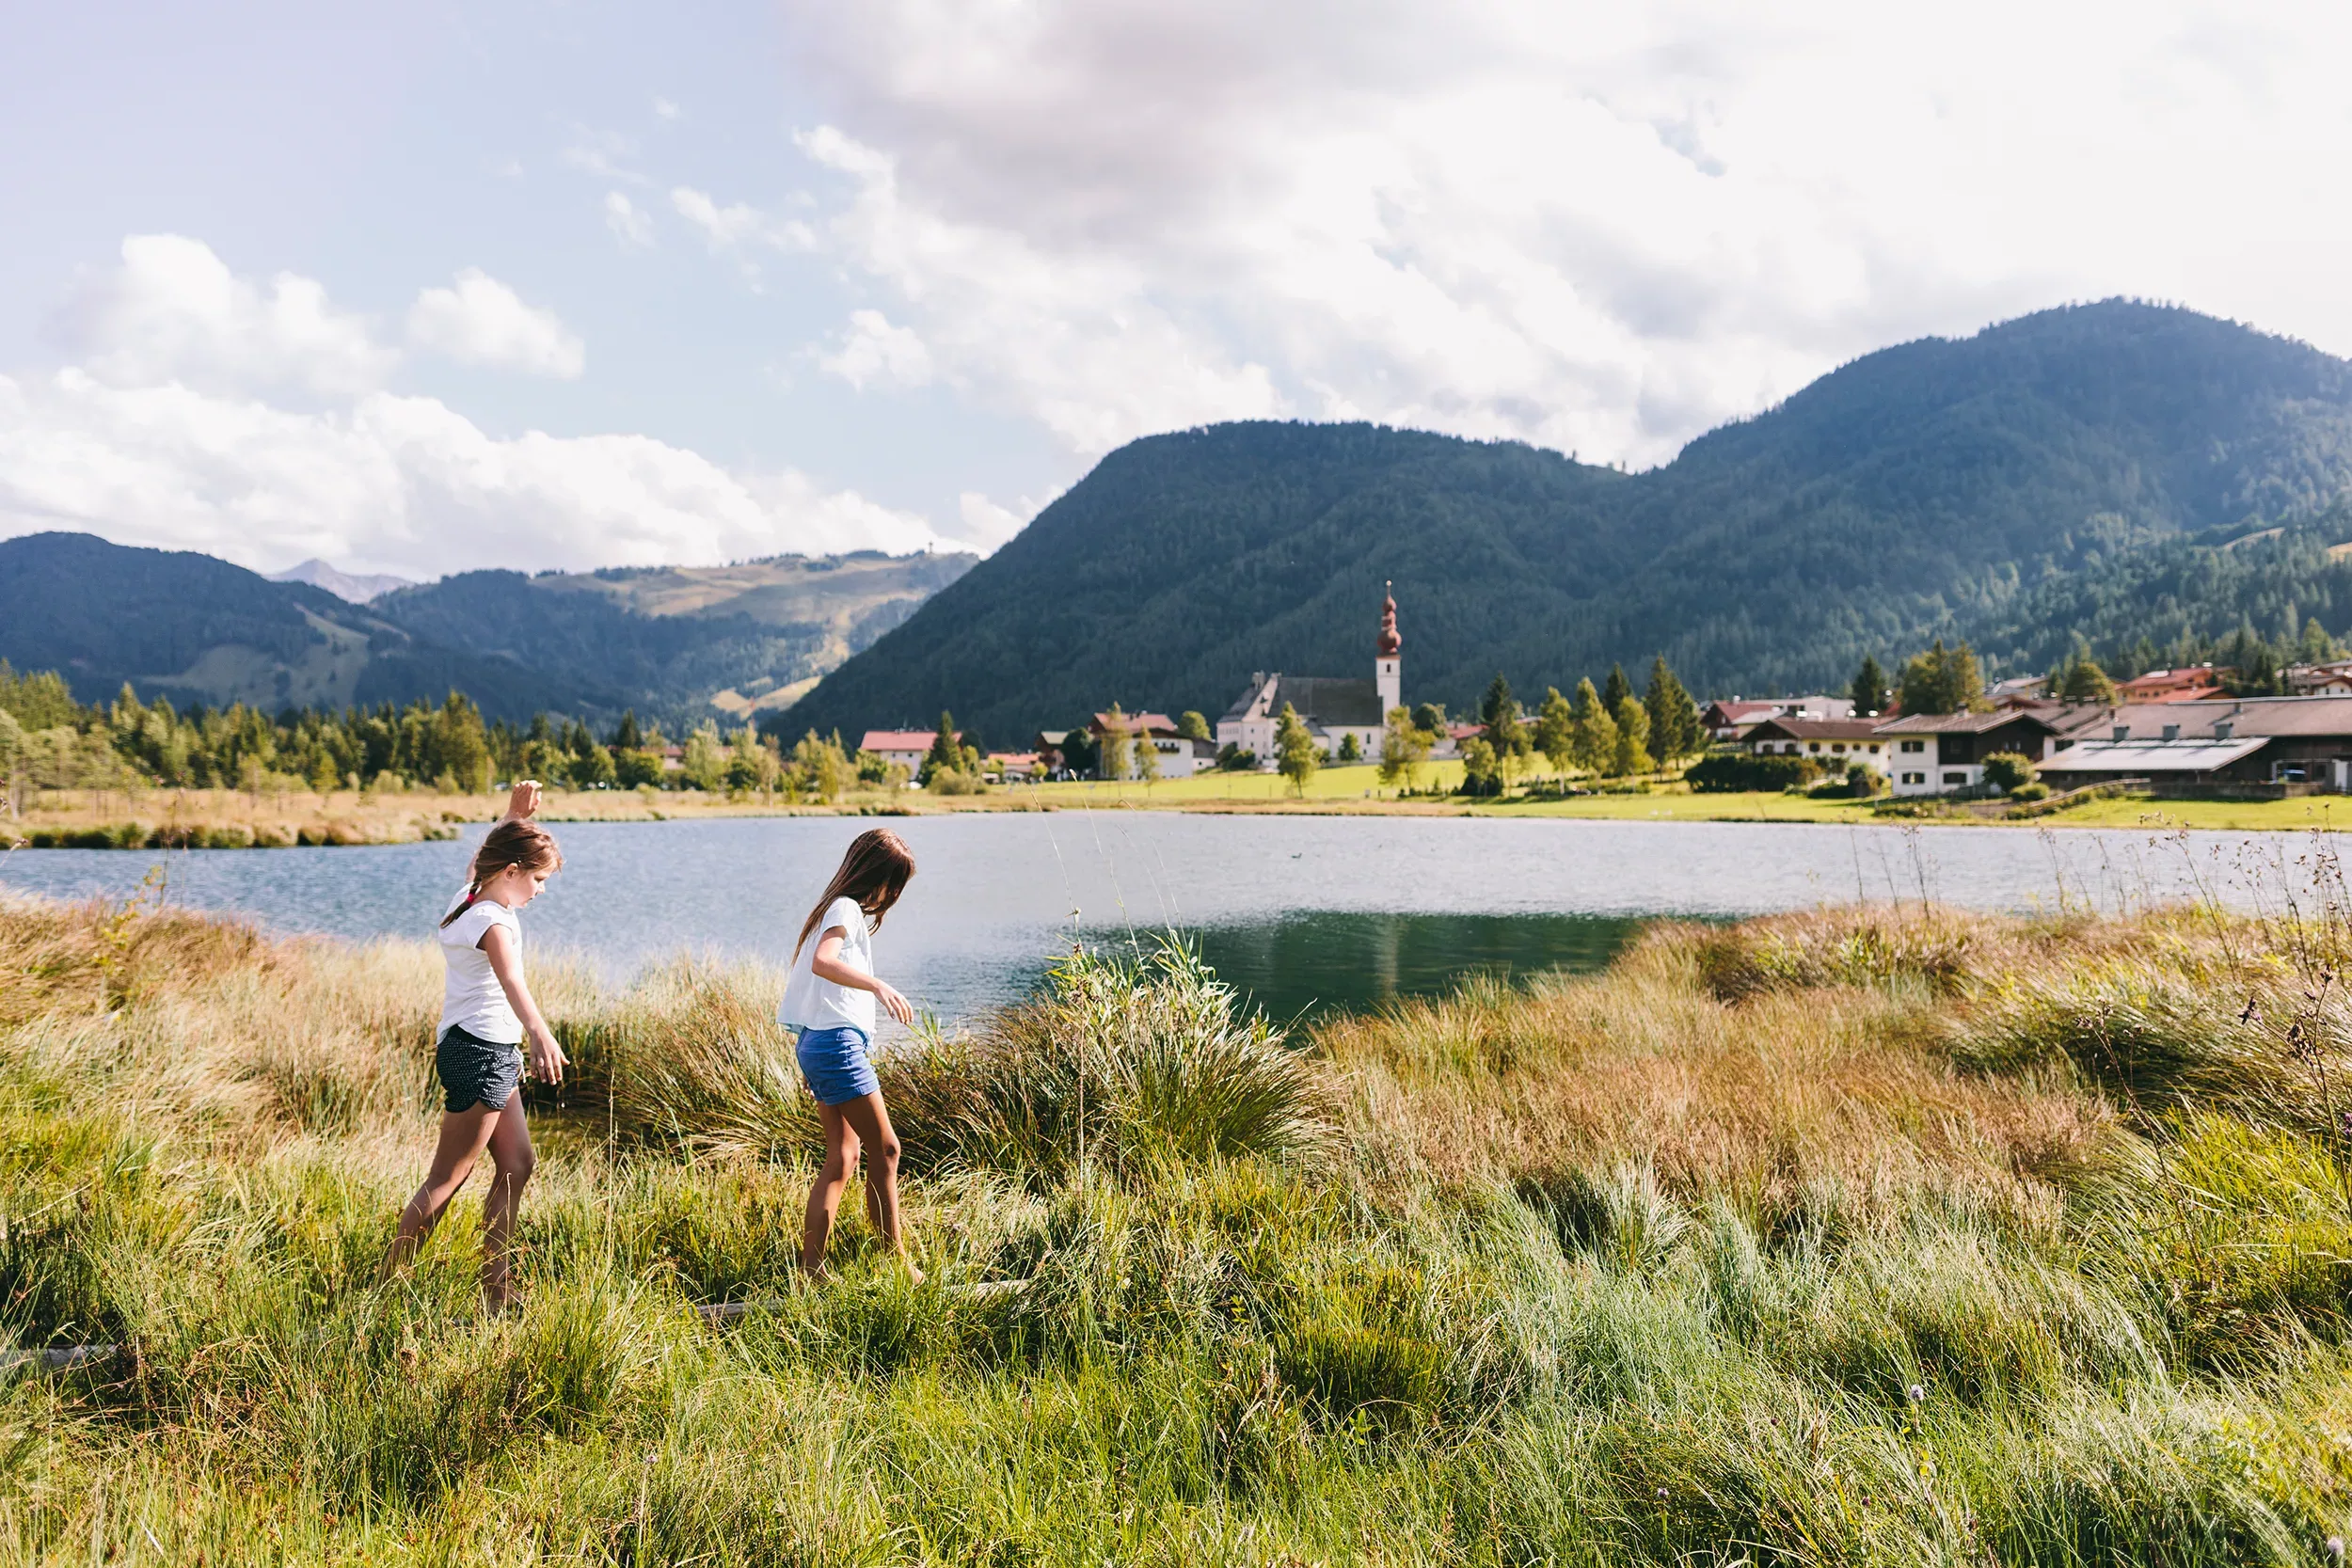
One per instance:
(906, 748)
(1837, 744)
(1179, 756)
(1332, 707)
(1937, 753)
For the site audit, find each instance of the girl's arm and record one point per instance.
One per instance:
(547, 1057)
(523, 804)
(827, 965)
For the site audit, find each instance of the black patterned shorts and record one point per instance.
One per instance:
(475, 1071)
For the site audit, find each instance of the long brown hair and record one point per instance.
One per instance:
(874, 872)
(510, 843)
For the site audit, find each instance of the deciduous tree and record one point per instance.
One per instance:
(1296, 754)
(1594, 746)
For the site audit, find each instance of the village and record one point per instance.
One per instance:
(2174, 733)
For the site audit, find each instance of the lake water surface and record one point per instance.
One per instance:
(1306, 912)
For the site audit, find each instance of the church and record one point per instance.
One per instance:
(1331, 706)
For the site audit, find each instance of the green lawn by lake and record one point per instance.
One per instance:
(1358, 787)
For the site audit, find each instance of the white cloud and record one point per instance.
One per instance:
(985, 525)
(1083, 343)
(483, 321)
(632, 223)
(1600, 227)
(606, 155)
(739, 226)
(665, 109)
(405, 483)
(873, 353)
(173, 311)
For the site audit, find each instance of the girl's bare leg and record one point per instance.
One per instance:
(824, 1194)
(462, 1136)
(870, 1121)
(512, 1161)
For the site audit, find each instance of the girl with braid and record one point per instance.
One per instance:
(488, 1021)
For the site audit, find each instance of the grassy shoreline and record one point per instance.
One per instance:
(230, 819)
(1855, 1236)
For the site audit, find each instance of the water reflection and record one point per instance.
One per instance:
(1336, 961)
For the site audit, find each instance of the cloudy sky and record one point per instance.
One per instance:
(430, 287)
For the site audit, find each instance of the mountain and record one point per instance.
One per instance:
(675, 641)
(1942, 487)
(343, 585)
(196, 629)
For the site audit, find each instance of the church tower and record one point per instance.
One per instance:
(1388, 669)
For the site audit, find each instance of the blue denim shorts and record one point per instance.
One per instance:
(834, 1065)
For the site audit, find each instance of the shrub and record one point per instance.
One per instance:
(1861, 945)
(2009, 771)
(1118, 1061)
(1732, 772)
(2162, 1041)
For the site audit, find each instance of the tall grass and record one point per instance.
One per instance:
(1838, 1239)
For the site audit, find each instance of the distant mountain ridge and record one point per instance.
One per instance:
(677, 645)
(745, 639)
(343, 585)
(1936, 488)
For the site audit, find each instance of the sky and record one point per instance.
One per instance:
(429, 288)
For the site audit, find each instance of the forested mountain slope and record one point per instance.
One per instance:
(1940, 488)
(198, 630)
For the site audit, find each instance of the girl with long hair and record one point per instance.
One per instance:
(829, 1001)
(487, 1018)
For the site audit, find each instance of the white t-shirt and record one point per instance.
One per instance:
(811, 1003)
(471, 997)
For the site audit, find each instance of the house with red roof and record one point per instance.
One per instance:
(906, 748)
(2193, 683)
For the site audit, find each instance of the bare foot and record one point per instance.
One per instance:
(913, 1273)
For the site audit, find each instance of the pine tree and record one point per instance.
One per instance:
(1617, 689)
(1869, 687)
(943, 757)
(1500, 713)
(1673, 719)
(1632, 754)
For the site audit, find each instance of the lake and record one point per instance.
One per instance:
(1305, 912)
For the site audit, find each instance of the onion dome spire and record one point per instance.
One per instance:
(1389, 642)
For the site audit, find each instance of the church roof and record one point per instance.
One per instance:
(1327, 701)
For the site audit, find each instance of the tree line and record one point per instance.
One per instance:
(48, 740)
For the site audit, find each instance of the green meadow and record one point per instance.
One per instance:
(1860, 1236)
